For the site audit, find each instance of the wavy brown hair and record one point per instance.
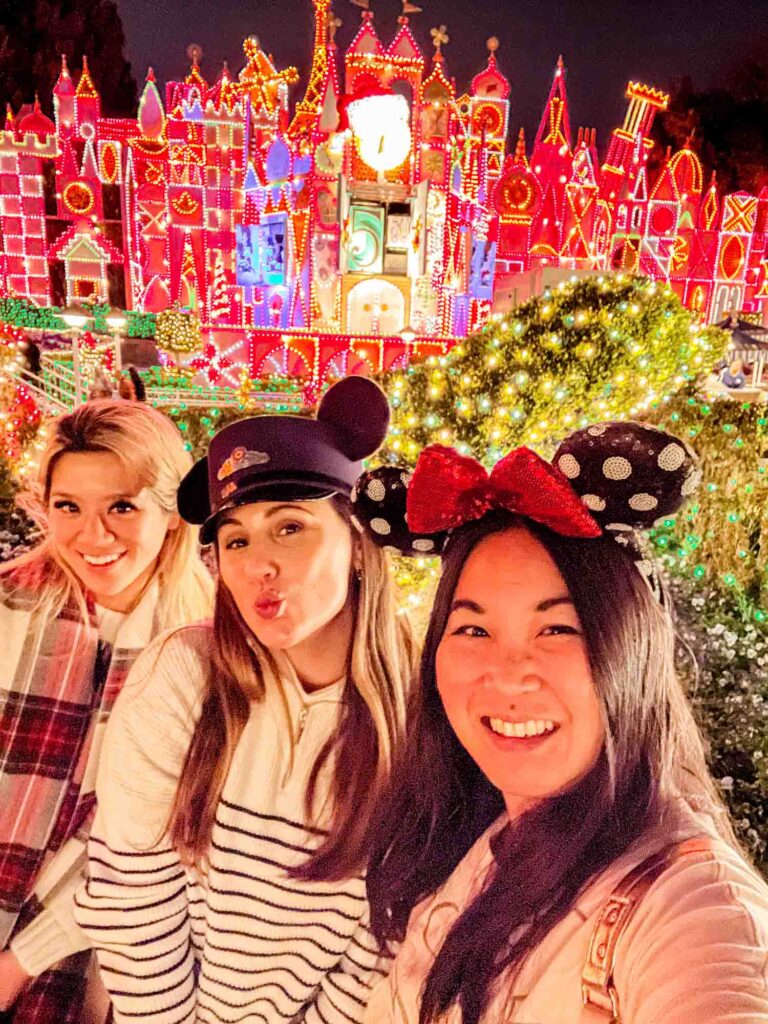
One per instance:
(381, 664)
(439, 802)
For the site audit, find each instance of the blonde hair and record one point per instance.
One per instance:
(369, 739)
(151, 449)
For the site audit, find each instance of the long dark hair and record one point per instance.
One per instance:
(440, 802)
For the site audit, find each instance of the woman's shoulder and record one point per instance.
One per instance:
(711, 879)
(698, 938)
(24, 584)
(175, 663)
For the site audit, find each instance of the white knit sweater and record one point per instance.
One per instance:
(246, 943)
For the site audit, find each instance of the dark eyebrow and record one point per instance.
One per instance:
(470, 606)
(292, 506)
(232, 520)
(542, 606)
(553, 602)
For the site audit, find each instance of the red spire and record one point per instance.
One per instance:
(520, 155)
(64, 86)
(490, 82)
(555, 127)
(85, 87)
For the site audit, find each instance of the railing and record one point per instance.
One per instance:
(58, 389)
(218, 397)
(36, 386)
(60, 381)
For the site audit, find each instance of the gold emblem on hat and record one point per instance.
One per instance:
(240, 458)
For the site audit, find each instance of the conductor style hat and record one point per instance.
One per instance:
(287, 458)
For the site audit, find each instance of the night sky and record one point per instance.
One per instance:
(604, 44)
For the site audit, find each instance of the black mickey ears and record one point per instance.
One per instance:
(379, 504)
(628, 474)
(358, 411)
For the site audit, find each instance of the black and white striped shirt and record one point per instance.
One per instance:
(243, 943)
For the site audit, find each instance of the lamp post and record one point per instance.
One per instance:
(408, 334)
(116, 320)
(75, 317)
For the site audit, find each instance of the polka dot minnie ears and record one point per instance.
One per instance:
(617, 478)
(379, 502)
(628, 475)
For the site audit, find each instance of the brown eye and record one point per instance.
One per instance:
(472, 631)
(288, 529)
(234, 543)
(560, 630)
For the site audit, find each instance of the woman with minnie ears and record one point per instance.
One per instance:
(244, 756)
(574, 862)
(115, 566)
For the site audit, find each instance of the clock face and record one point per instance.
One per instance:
(381, 129)
(384, 149)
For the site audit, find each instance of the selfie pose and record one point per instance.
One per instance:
(575, 863)
(115, 566)
(244, 756)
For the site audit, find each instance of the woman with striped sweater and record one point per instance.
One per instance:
(226, 861)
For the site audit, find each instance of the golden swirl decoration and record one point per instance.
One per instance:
(79, 198)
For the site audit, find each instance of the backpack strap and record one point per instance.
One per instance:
(598, 991)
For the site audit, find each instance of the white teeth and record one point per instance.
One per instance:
(520, 730)
(102, 559)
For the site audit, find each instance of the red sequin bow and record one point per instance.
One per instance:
(449, 489)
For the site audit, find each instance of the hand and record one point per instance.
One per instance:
(13, 978)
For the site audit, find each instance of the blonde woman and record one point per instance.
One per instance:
(115, 567)
(240, 766)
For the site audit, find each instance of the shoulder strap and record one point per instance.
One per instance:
(598, 992)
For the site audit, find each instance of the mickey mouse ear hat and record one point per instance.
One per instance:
(287, 458)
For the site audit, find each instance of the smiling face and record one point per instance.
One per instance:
(513, 673)
(106, 530)
(287, 566)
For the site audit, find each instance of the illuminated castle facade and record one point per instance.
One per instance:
(375, 216)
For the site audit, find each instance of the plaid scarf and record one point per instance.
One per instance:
(58, 684)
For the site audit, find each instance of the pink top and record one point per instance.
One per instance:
(695, 952)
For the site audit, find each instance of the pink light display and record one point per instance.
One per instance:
(371, 221)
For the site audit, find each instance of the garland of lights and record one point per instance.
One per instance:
(722, 539)
(19, 414)
(24, 313)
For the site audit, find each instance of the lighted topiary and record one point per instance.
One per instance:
(592, 349)
(722, 538)
(178, 332)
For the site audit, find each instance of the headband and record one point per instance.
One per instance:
(616, 479)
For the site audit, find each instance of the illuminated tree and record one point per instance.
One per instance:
(593, 349)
